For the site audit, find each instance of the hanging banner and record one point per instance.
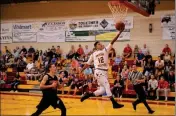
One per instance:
(51, 36)
(6, 38)
(24, 37)
(104, 35)
(6, 27)
(97, 24)
(52, 26)
(26, 27)
(79, 36)
(169, 33)
(168, 20)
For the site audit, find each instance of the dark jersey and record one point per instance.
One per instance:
(50, 92)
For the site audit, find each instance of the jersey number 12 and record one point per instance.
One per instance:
(101, 60)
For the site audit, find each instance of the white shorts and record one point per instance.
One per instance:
(102, 79)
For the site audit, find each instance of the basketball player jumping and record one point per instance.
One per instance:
(49, 89)
(100, 59)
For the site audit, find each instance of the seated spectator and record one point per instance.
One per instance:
(118, 87)
(140, 59)
(54, 59)
(147, 56)
(15, 83)
(136, 50)
(115, 70)
(152, 87)
(167, 58)
(23, 50)
(74, 64)
(79, 52)
(88, 73)
(31, 52)
(163, 86)
(118, 60)
(3, 79)
(71, 53)
(171, 79)
(124, 73)
(148, 67)
(87, 51)
(166, 49)
(53, 49)
(29, 66)
(36, 55)
(159, 65)
(145, 50)
(21, 65)
(127, 51)
(59, 52)
(112, 53)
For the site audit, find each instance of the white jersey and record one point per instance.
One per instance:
(100, 58)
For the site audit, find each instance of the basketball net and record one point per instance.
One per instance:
(118, 9)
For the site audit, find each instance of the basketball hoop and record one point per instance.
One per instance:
(118, 9)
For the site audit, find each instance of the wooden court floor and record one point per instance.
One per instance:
(25, 104)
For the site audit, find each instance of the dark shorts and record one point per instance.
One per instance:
(46, 102)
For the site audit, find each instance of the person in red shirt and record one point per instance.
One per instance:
(166, 49)
(127, 51)
(80, 50)
(163, 86)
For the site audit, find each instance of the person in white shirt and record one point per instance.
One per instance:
(145, 50)
(100, 59)
(152, 87)
(159, 65)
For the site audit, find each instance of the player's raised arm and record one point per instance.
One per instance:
(117, 36)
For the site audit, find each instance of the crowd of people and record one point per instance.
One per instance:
(159, 74)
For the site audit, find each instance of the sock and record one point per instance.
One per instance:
(113, 100)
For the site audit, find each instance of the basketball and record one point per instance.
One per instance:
(119, 25)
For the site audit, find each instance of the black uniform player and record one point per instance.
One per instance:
(49, 86)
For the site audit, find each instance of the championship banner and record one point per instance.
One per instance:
(26, 27)
(168, 20)
(96, 24)
(79, 36)
(24, 37)
(52, 26)
(51, 36)
(6, 38)
(169, 33)
(105, 35)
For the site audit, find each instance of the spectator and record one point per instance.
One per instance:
(171, 79)
(53, 49)
(148, 67)
(88, 73)
(159, 65)
(145, 50)
(166, 49)
(59, 52)
(87, 50)
(112, 53)
(54, 59)
(23, 50)
(147, 56)
(71, 53)
(79, 52)
(15, 83)
(124, 73)
(163, 86)
(31, 52)
(118, 60)
(152, 87)
(127, 51)
(36, 55)
(167, 58)
(29, 66)
(118, 87)
(21, 64)
(3, 79)
(50, 55)
(115, 70)
(140, 58)
(136, 50)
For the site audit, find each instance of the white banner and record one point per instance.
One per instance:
(26, 27)
(6, 38)
(79, 36)
(51, 36)
(108, 35)
(169, 33)
(97, 24)
(52, 26)
(6, 27)
(24, 37)
(168, 20)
